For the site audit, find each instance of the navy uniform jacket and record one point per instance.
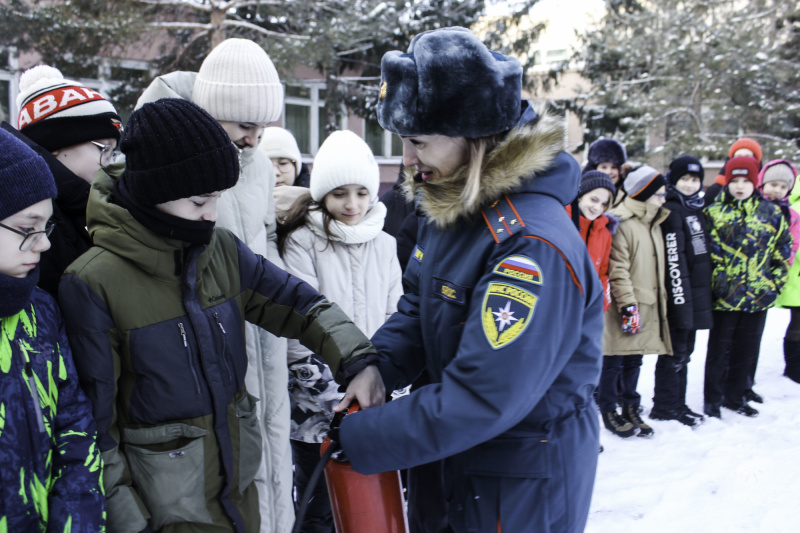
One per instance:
(505, 313)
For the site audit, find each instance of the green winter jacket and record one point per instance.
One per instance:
(750, 248)
(157, 328)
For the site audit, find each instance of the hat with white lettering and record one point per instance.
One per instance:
(742, 167)
(683, 165)
(56, 113)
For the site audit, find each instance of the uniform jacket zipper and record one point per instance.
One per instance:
(224, 346)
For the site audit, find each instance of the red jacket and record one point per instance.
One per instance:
(597, 236)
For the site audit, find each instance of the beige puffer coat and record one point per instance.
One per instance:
(636, 277)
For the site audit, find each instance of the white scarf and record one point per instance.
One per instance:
(366, 230)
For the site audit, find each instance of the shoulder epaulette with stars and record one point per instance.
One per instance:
(502, 219)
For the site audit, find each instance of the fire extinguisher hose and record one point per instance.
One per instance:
(312, 483)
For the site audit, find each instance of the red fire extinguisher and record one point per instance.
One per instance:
(364, 503)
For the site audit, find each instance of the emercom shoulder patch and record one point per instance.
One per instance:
(417, 254)
(521, 268)
(506, 311)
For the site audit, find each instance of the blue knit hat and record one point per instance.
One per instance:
(594, 179)
(25, 179)
(449, 83)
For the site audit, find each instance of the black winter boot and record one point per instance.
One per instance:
(791, 353)
(619, 426)
(631, 413)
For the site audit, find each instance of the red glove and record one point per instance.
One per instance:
(631, 323)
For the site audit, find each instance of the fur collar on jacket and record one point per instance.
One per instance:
(527, 150)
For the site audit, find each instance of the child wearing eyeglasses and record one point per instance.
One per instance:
(750, 249)
(49, 462)
(75, 130)
(636, 322)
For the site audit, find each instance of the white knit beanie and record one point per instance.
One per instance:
(344, 159)
(279, 143)
(237, 82)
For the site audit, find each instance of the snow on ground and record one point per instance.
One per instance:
(732, 475)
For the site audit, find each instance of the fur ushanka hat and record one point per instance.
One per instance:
(605, 150)
(449, 83)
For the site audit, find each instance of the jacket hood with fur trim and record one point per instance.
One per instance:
(517, 164)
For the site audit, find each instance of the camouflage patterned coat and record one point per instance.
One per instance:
(50, 467)
(750, 248)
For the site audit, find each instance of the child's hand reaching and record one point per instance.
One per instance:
(631, 322)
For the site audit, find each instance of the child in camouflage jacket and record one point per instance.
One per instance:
(750, 248)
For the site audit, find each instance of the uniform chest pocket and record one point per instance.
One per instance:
(451, 292)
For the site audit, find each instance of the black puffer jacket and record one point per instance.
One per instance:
(688, 269)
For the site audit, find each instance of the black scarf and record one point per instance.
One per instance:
(16, 292)
(172, 227)
(693, 202)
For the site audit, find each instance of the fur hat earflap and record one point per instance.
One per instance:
(449, 83)
(606, 150)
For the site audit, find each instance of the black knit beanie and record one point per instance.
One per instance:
(684, 165)
(174, 149)
(594, 179)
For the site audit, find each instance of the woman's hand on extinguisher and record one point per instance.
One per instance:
(367, 387)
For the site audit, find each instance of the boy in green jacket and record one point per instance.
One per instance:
(156, 313)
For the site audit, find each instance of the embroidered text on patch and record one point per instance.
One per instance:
(520, 267)
(418, 253)
(506, 313)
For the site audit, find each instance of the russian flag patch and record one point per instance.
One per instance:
(521, 268)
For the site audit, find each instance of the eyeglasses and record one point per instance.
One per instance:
(30, 239)
(660, 194)
(108, 153)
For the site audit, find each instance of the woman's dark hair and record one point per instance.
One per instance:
(296, 217)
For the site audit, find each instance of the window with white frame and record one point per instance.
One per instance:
(381, 142)
(304, 116)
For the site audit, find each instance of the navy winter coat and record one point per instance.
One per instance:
(505, 314)
(688, 272)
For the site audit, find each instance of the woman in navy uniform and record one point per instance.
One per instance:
(504, 309)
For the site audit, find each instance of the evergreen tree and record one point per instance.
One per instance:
(690, 76)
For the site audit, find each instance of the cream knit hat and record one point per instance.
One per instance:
(279, 143)
(237, 82)
(344, 159)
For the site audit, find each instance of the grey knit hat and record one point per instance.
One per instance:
(643, 182)
(449, 83)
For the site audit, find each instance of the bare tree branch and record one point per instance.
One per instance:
(262, 31)
(199, 7)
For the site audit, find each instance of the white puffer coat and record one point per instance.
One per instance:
(360, 272)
